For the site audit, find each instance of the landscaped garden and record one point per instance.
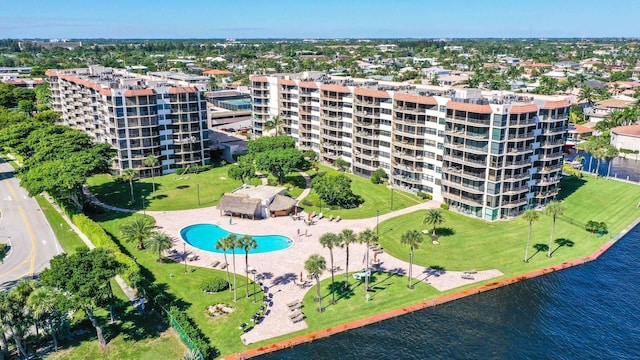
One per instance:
(467, 243)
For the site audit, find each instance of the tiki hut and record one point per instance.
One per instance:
(282, 205)
(239, 205)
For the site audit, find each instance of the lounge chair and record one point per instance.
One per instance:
(295, 304)
(320, 216)
(224, 266)
(299, 317)
(330, 217)
(215, 263)
(338, 218)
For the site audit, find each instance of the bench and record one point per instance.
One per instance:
(467, 277)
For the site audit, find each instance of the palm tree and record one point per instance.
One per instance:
(531, 216)
(434, 217)
(247, 242)
(42, 303)
(367, 237)
(225, 244)
(137, 230)
(411, 238)
(554, 209)
(159, 241)
(609, 153)
(315, 266)
(232, 241)
(130, 175)
(587, 93)
(329, 241)
(12, 316)
(152, 161)
(274, 123)
(347, 236)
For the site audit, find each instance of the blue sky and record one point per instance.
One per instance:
(317, 18)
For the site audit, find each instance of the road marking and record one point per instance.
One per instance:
(32, 255)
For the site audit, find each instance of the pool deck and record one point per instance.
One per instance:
(278, 271)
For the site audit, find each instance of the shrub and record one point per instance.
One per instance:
(200, 340)
(119, 179)
(214, 284)
(3, 250)
(444, 206)
(595, 226)
(424, 195)
(307, 202)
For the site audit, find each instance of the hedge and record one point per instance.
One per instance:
(196, 336)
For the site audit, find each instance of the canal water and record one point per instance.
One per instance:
(590, 311)
(622, 168)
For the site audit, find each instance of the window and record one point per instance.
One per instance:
(443, 108)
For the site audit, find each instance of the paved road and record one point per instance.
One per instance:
(24, 226)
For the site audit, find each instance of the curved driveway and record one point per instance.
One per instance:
(25, 228)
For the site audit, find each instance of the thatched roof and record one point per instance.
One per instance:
(282, 203)
(239, 204)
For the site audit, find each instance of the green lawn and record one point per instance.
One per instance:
(223, 332)
(68, 239)
(467, 243)
(376, 197)
(173, 192)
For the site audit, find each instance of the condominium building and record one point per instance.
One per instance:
(487, 154)
(138, 115)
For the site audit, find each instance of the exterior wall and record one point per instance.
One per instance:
(625, 141)
(167, 122)
(485, 157)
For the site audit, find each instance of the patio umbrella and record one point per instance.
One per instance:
(374, 256)
(300, 276)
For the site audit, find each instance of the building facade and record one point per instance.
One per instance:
(486, 154)
(138, 116)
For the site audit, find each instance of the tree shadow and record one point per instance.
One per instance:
(182, 187)
(538, 248)
(569, 185)
(444, 231)
(562, 242)
(264, 276)
(398, 271)
(284, 279)
(434, 270)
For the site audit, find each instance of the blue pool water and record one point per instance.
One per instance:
(205, 236)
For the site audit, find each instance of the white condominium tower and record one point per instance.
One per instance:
(489, 154)
(138, 115)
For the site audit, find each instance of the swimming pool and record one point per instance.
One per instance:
(205, 236)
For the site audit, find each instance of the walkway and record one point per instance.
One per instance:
(279, 276)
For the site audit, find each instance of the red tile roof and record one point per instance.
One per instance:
(482, 109)
(51, 72)
(520, 109)
(286, 82)
(556, 104)
(581, 129)
(259, 79)
(372, 93)
(308, 85)
(428, 100)
(178, 90)
(140, 92)
(106, 92)
(336, 88)
(215, 72)
(630, 130)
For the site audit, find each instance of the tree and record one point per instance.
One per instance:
(553, 209)
(152, 161)
(335, 189)
(137, 230)
(341, 164)
(48, 116)
(225, 244)
(586, 93)
(276, 123)
(530, 216)
(347, 236)
(243, 170)
(434, 217)
(159, 241)
(280, 162)
(329, 241)
(129, 175)
(247, 243)
(26, 106)
(232, 241)
(610, 153)
(269, 143)
(378, 175)
(315, 266)
(411, 238)
(85, 277)
(45, 304)
(367, 237)
(14, 315)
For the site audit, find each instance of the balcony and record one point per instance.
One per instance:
(554, 130)
(525, 136)
(551, 144)
(516, 190)
(477, 201)
(514, 203)
(546, 194)
(552, 156)
(549, 169)
(521, 123)
(465, 160)
(367, 145)
(516, 164)
(516, 177)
